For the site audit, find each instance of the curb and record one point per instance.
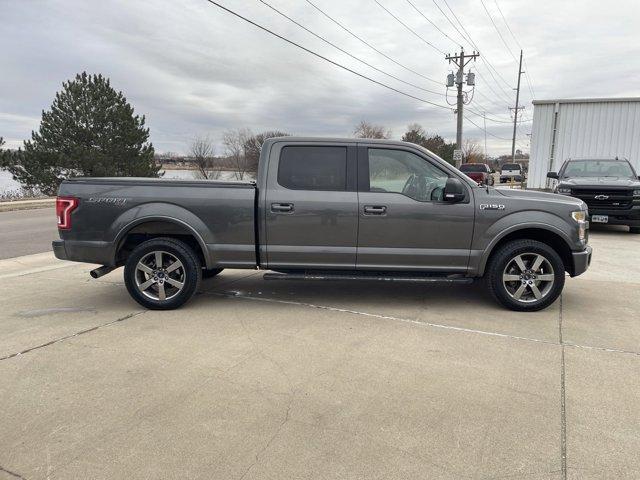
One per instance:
(27, 204)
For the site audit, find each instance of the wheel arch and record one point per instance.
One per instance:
(153, 226)
(547, 234)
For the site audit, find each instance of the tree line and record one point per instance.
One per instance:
(92, 130)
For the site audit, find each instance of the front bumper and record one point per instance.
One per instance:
(581, 261)
(629, 216)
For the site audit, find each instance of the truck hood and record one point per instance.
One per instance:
(599, 182)
(542, 196)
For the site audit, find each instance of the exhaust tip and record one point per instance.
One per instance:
(100, 271)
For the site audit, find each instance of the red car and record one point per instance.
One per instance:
(478, 172)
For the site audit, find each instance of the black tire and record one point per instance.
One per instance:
(503, 265)
(211, 272)
(634, 229)
(188, 274)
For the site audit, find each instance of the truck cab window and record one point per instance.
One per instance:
(398, 171)
(313, 168)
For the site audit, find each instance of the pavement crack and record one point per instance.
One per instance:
(270, 441)
(13, 474)
(563, 402)
(76, 334)
(237, 294)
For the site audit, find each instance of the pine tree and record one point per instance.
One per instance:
(90, 130)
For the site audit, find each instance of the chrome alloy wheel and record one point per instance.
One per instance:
(528, 277)
(160, 275)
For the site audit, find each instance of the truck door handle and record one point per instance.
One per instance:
(281, 207)
(375, 209)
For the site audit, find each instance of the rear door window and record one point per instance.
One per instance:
(313, 168)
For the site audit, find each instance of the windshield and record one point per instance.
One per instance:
(473, 167)
(597, 168)
(510, 166)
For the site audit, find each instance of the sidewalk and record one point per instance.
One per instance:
(27, 204)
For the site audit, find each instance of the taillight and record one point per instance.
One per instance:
(64, 207)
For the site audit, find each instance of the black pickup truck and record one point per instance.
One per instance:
(609, 187)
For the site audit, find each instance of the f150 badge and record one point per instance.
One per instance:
(491, 206)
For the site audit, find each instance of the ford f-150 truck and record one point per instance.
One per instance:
(327, 209)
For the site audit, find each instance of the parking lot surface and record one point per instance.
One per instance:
(287, 379)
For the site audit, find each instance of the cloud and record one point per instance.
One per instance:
(192, 68)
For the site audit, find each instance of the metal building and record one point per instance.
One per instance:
(582, 128)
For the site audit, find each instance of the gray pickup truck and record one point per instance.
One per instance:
(327, 209)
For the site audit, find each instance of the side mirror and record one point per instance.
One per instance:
(453, 190)
(553, 175)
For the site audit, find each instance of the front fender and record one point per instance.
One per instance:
(491, 234)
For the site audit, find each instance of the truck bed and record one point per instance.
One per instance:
(219, 215)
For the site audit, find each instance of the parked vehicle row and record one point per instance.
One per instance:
(331, 209)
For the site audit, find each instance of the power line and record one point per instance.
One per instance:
(526, 73)
(464, 39)
(347, 53)
(498, 30)
(371, 46)
(409, 28)
(484, 130)
(470, 42)
(435, 25)
(291, 42)
(507, 24)
(486, 61)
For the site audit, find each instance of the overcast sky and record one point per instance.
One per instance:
(193, 69)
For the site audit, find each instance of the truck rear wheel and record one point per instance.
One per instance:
(162, 273)
(525, 275)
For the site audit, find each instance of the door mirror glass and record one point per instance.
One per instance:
(453, 190)
(553, 175)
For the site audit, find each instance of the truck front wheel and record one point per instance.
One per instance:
(525, 275)
(162, 273)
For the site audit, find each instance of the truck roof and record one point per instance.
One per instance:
(383, 141)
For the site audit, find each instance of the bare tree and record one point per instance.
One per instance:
(368, 130)
(234, 143)
(471, 152)
(253, 146)
(202, 153)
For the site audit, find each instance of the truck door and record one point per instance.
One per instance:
(403, 222)
(311, 206)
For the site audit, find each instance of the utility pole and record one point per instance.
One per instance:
(460, 61)
(515, 112)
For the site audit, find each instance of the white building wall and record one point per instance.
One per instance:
(596, 128)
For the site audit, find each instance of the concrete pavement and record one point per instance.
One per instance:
(24, 232)
(259, 379)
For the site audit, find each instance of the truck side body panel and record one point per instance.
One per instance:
(320, 229)
(219, 215)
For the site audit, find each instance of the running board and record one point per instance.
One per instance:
(369, 277)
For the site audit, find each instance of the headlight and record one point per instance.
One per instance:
(579, 216)
(564, 190)
(636, 192)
